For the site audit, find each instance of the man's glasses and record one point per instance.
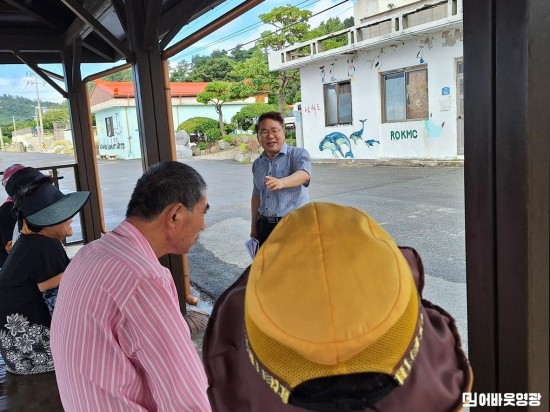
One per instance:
(265, 133)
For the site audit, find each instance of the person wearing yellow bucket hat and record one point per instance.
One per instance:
(329, 317)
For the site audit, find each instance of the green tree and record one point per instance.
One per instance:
(349, 22)
(204, 128)
(238, 54)
(246, 117)
(180, 71)
(208, 69)
(52, 116)
(256, 70)
(291, 27)
(20, 108)
(198, 126)
(332, 25)
(120, 76)
(220, 93)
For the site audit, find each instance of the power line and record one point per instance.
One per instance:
(206, 15)
(253, 26)
(302, 4)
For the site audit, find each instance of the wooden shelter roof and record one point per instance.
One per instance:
(38, 30)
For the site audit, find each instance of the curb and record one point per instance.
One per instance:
(393, 162)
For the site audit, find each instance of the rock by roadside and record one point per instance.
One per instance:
(230, 153)
(234, 151)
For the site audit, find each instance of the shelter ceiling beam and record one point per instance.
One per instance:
(92, 22)
(181, 13)
(39, 72)
(79, 29)
(106, 72)
(87, 173)
(39, 13)
(152, 19)
(99, 48)
(30, 42)
(118, 5)
(153, 107)
(210, 28)
(54, 75)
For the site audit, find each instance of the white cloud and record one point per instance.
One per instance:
(242, 30)
(18, 84)
(248, 27)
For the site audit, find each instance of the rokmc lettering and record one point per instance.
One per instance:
(403, 134)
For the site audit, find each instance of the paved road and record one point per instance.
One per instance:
(421, 207)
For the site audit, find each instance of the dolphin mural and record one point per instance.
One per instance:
(358, 135)
(371, 142)
(334, 142)
(434, 130)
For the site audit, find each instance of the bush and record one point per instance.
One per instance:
(290, 142)
(228, 139)
(244, 147)
(213, 133)
(202, 146)
(198, 126)
(246, 117)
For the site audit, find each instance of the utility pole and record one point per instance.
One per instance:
(41, 126)
(39, 123)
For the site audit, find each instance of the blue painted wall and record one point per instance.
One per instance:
(123, 141)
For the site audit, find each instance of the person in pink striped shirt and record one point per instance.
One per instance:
(118, 339)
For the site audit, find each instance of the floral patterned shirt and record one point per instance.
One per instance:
(24, 313)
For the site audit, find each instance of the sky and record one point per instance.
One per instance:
(19, 80)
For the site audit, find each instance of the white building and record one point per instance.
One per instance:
(114, 106)
(394, 90)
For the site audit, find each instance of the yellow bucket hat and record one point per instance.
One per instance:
(330, 294)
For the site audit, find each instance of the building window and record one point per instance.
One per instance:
(337, 103)
(109, 126)
(405, 95)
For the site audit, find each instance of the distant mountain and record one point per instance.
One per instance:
(22, 108)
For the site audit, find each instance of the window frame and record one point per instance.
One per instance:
(338, 95)
(404, 71)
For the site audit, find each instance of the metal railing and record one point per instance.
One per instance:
(373, 31)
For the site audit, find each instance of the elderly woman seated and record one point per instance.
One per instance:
(32, 272)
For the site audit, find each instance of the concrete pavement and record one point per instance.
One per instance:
(419, 206)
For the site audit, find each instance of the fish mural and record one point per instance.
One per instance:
(358, 135)
(371, 142)
(334, 142)
(434, 130)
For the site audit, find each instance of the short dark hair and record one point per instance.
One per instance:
(270, 115)
(164, 184)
